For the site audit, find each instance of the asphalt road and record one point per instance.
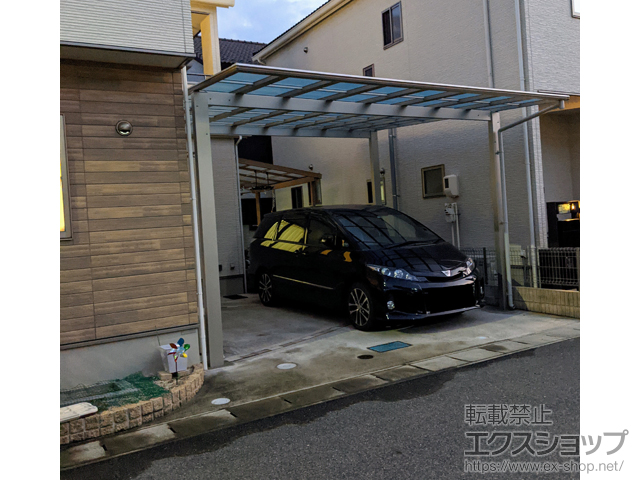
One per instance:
(411, 430)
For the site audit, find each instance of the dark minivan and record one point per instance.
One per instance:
(374, 261)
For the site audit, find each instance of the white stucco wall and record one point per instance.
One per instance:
(554, 44)
(343, 163)
(561, 156)
(227, 207)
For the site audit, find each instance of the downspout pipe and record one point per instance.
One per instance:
(242, 257)
(196, 220)
(392, 166)
(487, 41)
(527, 154)
(523, 120)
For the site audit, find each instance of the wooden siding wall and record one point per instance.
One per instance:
(129, 267)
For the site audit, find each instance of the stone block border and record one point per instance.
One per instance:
(543, 300)
(117, 419)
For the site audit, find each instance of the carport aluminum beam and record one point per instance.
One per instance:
(262, 100)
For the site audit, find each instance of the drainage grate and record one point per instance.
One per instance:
(108, 389)
(234, 297)
(385, 347)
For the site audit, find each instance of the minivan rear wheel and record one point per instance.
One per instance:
(265, 290)
(360, 307)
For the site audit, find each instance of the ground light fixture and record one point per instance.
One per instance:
(220, 401)
(287, 366)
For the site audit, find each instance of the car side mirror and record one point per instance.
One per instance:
(328, 241)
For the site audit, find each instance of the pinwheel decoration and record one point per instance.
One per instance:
(179, 350)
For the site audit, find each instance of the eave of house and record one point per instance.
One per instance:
(317, 16)
(209, 6)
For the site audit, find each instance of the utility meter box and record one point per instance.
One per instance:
(450, 212)
(451, 186)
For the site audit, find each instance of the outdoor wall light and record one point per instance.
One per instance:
(124, 128)
(311, 166)
(306, 49)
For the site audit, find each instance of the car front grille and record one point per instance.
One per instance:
(436, 300)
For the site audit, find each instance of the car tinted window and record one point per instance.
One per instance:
(317, 229)
(267, 228)
(383, 227)
(292, 228)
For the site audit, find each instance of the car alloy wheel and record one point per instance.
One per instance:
(360, 308)
(265, 289)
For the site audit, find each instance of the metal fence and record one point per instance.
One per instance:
(532, 267)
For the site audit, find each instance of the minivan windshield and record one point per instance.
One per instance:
(383, 227)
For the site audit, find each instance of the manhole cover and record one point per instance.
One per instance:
(287, 366)
(365, 357)
(220, 401)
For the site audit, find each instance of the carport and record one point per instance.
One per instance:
(261, 100)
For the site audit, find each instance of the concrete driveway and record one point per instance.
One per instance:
(249, 328)
(331, 360)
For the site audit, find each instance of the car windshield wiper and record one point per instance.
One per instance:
(412, 242)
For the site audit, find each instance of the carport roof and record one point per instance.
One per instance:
(263, 100)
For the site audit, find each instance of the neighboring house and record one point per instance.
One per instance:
(231, 51)
(127, 271)
(531, 45)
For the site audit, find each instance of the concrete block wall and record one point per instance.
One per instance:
(565, 303)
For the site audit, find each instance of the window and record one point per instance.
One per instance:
(65, 211)
(433, 181)
(317, 230)
(575, 8)
(384, 226)
(392, 25)
(292, 228)
(314, 189)
(268, 228)
(382, 191)
(296, 197)
(368, 71)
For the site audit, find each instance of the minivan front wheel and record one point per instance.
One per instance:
(265, 289)
(360, 307)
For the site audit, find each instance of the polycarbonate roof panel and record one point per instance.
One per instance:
(267, 99)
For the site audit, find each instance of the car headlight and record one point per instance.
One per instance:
(394, 273)
(470, 266)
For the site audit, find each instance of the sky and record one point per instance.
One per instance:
(262, 20)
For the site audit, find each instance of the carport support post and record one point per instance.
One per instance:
(258, 214)
(209, 229)
(498, 210)
(375, 167)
